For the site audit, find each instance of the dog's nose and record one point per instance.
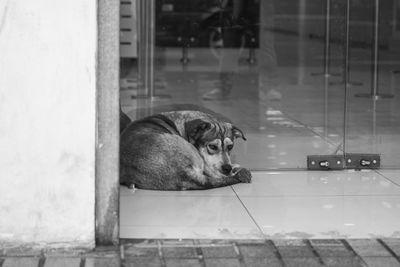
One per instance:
(226, 168)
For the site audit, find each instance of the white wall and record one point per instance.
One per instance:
(47, 121)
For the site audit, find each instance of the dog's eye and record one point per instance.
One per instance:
(229, 147)
(213, 147)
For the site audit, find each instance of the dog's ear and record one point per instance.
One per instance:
(194, 129)
(236, 132)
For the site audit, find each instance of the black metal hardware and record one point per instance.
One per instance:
(325, 162)
(356, 161)
(362, 161)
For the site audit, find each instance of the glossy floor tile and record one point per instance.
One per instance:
(290, 204)
(392, 175)
(216, 213)
(342, 204)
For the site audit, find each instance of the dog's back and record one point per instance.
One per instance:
(153, 155)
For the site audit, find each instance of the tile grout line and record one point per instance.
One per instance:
(239, 254)
(42, 260)
(121, 255)
(386, 246)
(160, 254)
(248, 212)
(314, 251)
(387, 178)
(350, 248)
(82, 262)
(276, 251)
(199, 253)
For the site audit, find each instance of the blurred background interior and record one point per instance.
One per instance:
(303, 107)
(298, 77)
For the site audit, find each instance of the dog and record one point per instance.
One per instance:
(180, 150)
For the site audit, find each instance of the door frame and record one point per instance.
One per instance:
(107, 124)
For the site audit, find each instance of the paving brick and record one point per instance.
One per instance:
(142, 262)
(302, 262)
(394, 245)
(135, 251)
(392, 241)
(182, 263)
(22, 252)
(62, 262)
(222, 262)
(177, 242)
(368, 247)
(21, 262)
(289, 242)
(341, 262)
(333, 251)
(104, 252)
(250, 241)
(64, 253)
(219, 252)
(128, 242)
(381, 261)
(396, 250)
(262, 262)
(102, 262)
(326, 242)
(106, 249)
(256, 250)
(214, 241)
(295, 251)
(179, 252)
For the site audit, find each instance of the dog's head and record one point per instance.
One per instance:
(215, 141)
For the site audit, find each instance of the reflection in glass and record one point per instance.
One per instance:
(253, 60)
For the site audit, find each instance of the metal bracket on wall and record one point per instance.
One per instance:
(325, 162)
(356, 161)
(360, 161)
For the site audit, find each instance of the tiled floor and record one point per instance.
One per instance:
(276, 205)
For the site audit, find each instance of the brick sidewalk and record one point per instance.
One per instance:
(219, 253)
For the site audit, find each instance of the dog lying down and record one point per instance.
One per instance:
(180, 150)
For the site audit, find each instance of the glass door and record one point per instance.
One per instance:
(396, 19)
(373, 115)
(274, 68)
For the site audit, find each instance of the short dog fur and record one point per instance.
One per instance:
(180, 150)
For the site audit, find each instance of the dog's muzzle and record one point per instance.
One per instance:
(226, 169)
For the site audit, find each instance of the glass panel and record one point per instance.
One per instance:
(373, 109)
(266, 65)
(396, 19)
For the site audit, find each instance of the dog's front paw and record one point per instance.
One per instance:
(243, 175)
